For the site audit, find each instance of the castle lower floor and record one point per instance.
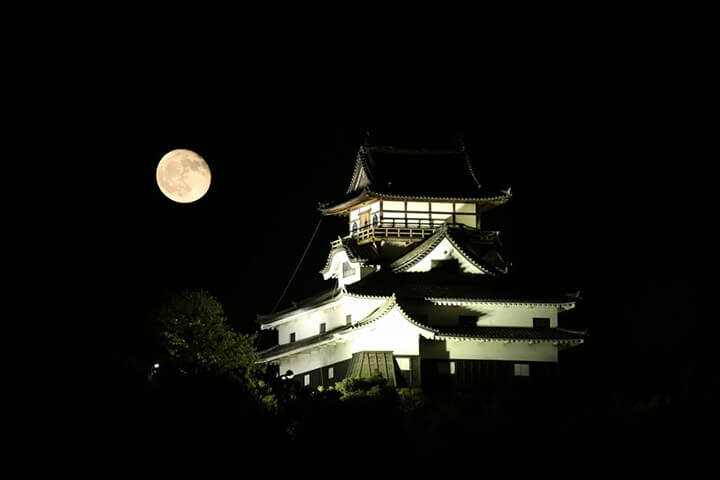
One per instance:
(414, 371)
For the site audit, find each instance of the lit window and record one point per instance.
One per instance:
(331, 372)
(306, 380)
(522, 370)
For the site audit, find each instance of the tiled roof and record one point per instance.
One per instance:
(473, 245)
(367, 363)
(511, 334)
(279, 350)
(452, 284)
(337, 207)
(326, 296)
(416, 171)
(380, 312)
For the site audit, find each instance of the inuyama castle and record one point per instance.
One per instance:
(417, 290)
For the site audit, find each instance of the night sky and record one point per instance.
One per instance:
(596, 126)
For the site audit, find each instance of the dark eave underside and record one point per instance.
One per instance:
(451, 284)
(343, 206)
(511, 333)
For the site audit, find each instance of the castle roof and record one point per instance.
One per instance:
(414, 171)
(386, 172)
(452, 285)
(478, 248)
(315, 301)
(391, 303)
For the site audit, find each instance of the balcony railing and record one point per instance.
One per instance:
(411, 230)
(383, 231)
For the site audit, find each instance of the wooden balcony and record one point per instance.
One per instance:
(414, 230)
(384, 232)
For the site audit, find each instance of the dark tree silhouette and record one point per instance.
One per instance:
(198, 340)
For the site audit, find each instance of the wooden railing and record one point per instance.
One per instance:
(371, 233)
(412, 230)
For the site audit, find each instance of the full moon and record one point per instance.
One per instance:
(183, 176)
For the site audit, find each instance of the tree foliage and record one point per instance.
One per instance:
(368, 389)
(198, 340)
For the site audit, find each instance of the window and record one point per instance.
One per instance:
(541, 323)
(468, 321)
(331, 373)
(292, 337)
(323, 327)
(348, 319)
(522, 370)
(306, 380)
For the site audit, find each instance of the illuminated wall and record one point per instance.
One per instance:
(416, 213)
(474, 350)
(334, 315)
(445, 251)
(343, 269)
(488, 314)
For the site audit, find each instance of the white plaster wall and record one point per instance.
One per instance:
(418, 206)
(465, 208)
(445, 251)
(316, 358)
(494, 315)
(309, 324)
(391, 333)
(473, 350)
(333, 316)
(442, 207)
(359, 308)
(469, 220)
(393, 205)
(517, 316)
(336, 269)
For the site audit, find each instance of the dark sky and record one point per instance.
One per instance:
(596, 124)
(585, 122)
(599, 121)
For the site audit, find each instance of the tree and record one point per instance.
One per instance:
(198, 341)
(374, 389)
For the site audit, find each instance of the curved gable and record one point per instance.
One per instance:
(441, 246)
(339, 265)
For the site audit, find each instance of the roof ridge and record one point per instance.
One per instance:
(454, 242)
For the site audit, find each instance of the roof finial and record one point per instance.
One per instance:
(367, 138)
(459, 141)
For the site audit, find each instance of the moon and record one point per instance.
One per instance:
(183, 176)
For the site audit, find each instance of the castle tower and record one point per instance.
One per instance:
(418, 290)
